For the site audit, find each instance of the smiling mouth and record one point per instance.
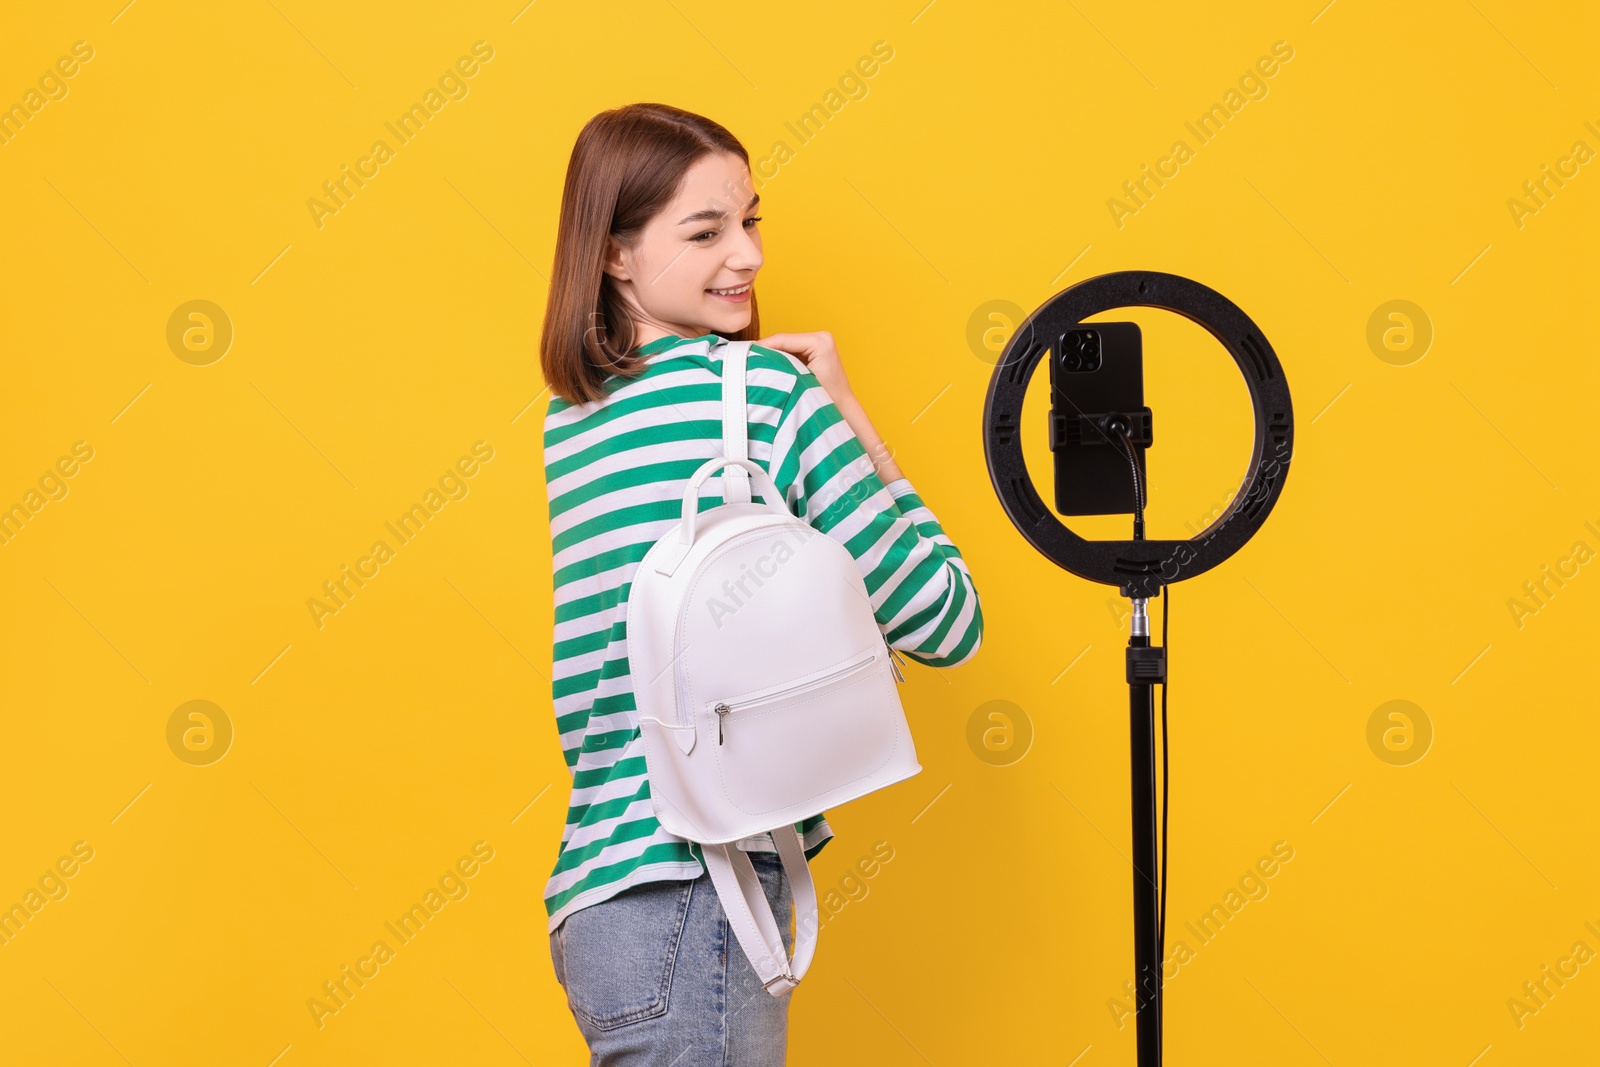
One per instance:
(736, 291)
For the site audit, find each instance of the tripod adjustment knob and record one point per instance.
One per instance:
(1147, 666)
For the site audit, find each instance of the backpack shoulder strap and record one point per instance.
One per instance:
(735, 439)
(750, 915)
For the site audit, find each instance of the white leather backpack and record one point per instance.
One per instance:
(765, 689)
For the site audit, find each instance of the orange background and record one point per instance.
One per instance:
(346, 364)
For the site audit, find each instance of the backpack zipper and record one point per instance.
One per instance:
(724, 708)
(894, 654)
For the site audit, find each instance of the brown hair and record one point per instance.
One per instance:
(626, 167)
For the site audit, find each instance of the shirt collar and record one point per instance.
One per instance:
(662, 344)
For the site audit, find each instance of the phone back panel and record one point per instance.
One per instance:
(1096, 479)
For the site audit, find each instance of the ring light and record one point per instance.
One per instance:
(1139, 568)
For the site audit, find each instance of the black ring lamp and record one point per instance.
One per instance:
(1140, 568)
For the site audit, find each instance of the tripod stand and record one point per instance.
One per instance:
(1141, 569)
(1146, 668)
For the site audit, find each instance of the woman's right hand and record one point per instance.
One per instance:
(818, 352)
(821, 357)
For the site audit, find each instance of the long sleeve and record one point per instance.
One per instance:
(922, 592)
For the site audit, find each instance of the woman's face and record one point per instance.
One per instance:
(706, 239)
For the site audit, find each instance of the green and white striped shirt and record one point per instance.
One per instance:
(615, 471)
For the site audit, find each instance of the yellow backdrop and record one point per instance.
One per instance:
(231, 368)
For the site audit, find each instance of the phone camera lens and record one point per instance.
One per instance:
(1091, 361)
(1074, 361)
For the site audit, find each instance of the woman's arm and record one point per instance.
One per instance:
(923, 594)
(882, 455)
(821, 357)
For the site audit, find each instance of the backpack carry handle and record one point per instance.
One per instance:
(691, 495)
(672, 553)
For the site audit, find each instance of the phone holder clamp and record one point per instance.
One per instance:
(1071, 431)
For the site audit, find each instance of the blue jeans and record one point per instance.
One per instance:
(654, 976)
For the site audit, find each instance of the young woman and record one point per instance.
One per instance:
(656, 258)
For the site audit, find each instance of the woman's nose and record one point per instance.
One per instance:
(746, 253)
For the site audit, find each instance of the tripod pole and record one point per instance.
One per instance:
(1146, 667)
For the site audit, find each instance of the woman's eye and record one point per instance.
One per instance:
(713, 233)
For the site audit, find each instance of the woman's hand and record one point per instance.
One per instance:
(821, 357)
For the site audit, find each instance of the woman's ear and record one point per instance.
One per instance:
(616, 260)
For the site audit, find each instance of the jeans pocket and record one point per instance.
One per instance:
(556, 953)
(618, 954)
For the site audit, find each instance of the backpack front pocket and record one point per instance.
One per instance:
(724, 708)
(806, 738)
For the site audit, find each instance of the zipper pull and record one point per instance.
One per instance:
(722, 714)
(893, 666)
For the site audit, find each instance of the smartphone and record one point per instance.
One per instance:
(1097, 371)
